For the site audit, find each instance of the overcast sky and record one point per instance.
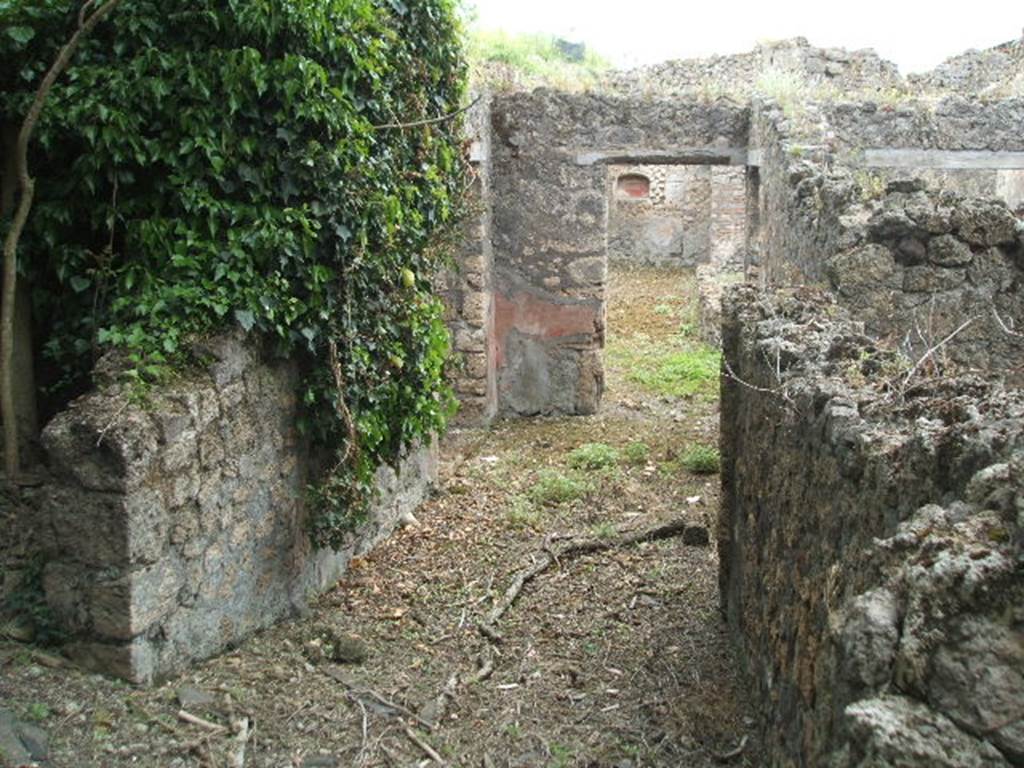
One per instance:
(915, 35)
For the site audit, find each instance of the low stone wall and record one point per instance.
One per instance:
(870, 540)
(178, 527)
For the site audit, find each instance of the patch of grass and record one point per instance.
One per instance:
(688, 330)
(680, 372)
(663, 309)
(701, 459)
(553, 487)
(522, 513)
(603, 530)
(37, 711)
(636, 453)
(593, 456)
(561, 755)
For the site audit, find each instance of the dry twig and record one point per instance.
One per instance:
(928, 354)
(420, 742)
(733, 754)
(356, 694)
(188, 717)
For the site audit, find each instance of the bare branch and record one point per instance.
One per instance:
(1008, 330)
(927, 355)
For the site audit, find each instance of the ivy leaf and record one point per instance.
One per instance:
(21, 34)
(79, 283)
(245, 318)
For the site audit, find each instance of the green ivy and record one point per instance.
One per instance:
(214, 163)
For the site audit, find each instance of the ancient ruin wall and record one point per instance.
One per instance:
(916, 263)
(669, 227)
(466, 288)
(177, 528)
(870, 540)
(550, 213)
(954, 123)
(739, 75)
(997, 71)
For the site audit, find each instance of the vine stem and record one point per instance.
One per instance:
(352, 448)
(431, 120)
(27, 189)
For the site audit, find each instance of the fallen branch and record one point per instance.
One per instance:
(549, 556)
(733, 754)
(357, 694)
(236, 757)
(428, 750)
(188, 717)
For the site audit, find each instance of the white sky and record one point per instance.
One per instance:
(916, 35)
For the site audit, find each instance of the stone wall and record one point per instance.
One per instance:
(914, 262)
(729, 231)
(550, 214)
(670, 227)
(870, 541)
(953, 123)
(466, 288)
(835, 69)
(996, 71)
(177, 527)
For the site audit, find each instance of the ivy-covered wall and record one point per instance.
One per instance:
(291, 169)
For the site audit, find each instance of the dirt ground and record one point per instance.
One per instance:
(608, 659)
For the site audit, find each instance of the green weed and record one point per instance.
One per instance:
(593, 456)
(553, 487)
(522, 513)
(636, 453)
(701, 459)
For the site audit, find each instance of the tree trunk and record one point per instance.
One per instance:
(23, 369)
(26, 188)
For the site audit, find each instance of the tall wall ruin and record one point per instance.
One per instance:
(550, 153)
(870, 540)
(870, 569)
(879, 380)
